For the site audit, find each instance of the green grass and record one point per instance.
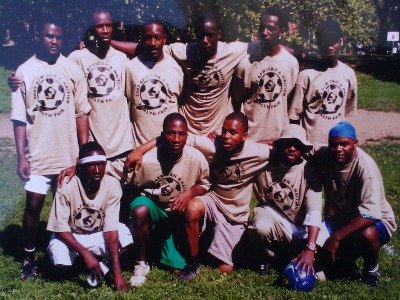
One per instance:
(5, 92)
(374, 94)
(243, 284)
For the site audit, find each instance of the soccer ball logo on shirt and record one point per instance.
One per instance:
(88, 220)
(332, 99)
(153, 94)
(269, 87)
(167, 187)
(101, 81)
(206, 79)
(50, 94)
(282, 194)
(228, 174)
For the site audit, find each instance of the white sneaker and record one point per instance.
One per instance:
(139, 274)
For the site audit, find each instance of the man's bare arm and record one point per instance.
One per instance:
(129, 48)
(112, 243)
(134, 158)
(181, 201)
(20, 143)
(82, 126)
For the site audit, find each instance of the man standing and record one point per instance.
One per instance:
(288, 217)
(154, 82)
(49, 111)
(359, 220)
(268, 73)
(208, 66)
(326, 95)
(84, 218)
(104, 69)
(170, 177)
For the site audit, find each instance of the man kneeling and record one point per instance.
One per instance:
(84, 218)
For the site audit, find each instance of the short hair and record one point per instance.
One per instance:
(97, 10)
(278, 12)
(88, 148)
(328, 32)
(49, 19)
(156, 22)
(208, 17)
(241, 117)
(173, 117)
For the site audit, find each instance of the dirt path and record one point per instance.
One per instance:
(371, 126)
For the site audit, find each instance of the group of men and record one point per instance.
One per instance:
(189, 156)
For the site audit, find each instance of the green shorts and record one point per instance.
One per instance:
(169, 255)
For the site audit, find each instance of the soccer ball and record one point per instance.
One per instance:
(50, 94)
(153, 93)
(332, 98)
(101, 81)
(297, 280)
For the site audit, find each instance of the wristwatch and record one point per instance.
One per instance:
(312, 247)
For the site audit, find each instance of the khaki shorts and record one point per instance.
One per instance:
(226, 234)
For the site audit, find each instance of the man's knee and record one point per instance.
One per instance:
(195, 210)
(370, 236)
(140, 216)
(34, 203)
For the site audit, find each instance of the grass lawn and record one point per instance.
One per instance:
(243, 284)
(5, 93)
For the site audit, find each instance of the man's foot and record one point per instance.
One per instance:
(189, 272)
(28, 269)
(371, 278)
(139, 274)
(264, 268)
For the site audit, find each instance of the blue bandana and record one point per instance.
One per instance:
(343, 129)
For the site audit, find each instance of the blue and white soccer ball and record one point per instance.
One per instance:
(299, 281)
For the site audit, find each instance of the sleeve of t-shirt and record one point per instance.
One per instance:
(82, 106)
(204, 175)
(313, 198)
(203, 144)
(351, 103)
(370, 198)
(18, 108)
(176, 50)
(111, 219)
(59, 214)
(300, 90)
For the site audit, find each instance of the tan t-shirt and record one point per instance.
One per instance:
(206, 91)
(152, 92)
(50, 99)
(293, 191)
(109, 119)
(271, 79)
(322, 99)
(73, 211)
(232, 176)
(360, 193)
(161, 180)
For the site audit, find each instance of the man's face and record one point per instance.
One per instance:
(154, 39)
(175, 135)
(290, 152)
(208, 35)
(342, 149)
(94, 171)
(330, 51)
(51, 39)
(233, 135)
(102, 25)
(269, 30)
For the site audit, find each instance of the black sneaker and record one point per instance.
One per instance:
(189, 272)
(28, 269)
(371, 278)
(264, 269)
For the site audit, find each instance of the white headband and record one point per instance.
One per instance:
(92, 158)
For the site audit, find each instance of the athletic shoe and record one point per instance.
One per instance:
(264, 268)
(371, 278)
(139, 274)
(28, 269)
(189, 272)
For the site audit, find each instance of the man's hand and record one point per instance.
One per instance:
(180, 201)
(119, 282)
(13, 82)
(23, 169)
(212, 135)
(331, 245)
(133, 161)
(68, 172)
(92, 263)
(305, 261)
